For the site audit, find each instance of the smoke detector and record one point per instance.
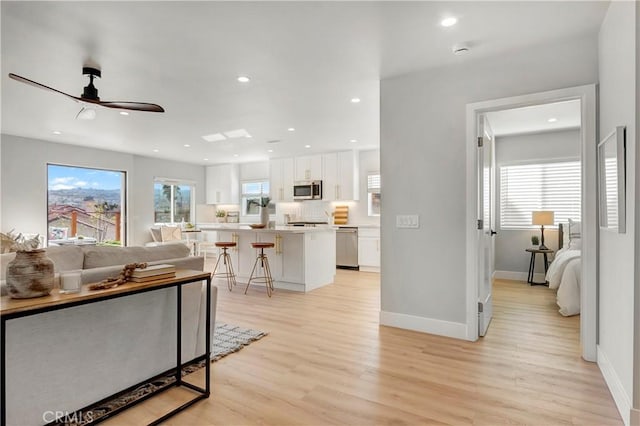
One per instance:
(460, 49)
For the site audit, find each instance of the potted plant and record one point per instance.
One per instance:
(221, 216)
(535, 240)
(263, 203)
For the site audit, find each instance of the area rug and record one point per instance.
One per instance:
(227, 339)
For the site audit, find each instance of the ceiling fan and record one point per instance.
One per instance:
(90, 96)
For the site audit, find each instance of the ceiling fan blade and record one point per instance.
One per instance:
(41, 86)
(135, 106)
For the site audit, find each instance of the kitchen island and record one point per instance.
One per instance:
(303, 258)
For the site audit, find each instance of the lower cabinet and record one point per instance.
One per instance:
(286, 258)
(369, 249)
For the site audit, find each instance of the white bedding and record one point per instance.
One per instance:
(564, 274)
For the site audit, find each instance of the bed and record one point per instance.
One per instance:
(564, 274)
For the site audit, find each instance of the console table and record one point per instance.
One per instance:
(532, 263)
(19, 308)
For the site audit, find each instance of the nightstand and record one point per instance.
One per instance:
(532, 263)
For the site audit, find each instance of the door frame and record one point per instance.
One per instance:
(588, 137)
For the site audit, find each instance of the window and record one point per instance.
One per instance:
(173, 201)
(85, 203)
(253, 192)
(547, 186)
(373, 188)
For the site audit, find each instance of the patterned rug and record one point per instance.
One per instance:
(227, 339)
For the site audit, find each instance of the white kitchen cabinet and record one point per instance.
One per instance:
(286, 258)
(369, 249)
(223, 184)
(340, 178)
(308, 167)
(281, 179)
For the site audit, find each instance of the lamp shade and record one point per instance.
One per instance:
(543, 217)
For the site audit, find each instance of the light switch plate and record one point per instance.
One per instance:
(407, 221)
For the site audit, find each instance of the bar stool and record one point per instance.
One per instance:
(226, 260)
(265, 279)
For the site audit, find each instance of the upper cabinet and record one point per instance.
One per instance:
(308, 167)
(340, 176)
(223, 184)
(281, 179)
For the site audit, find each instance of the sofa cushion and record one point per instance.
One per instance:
(96, 257)
(66, 258)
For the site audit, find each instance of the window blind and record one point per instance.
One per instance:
(373, 183)
(546, 186)
(611, 188)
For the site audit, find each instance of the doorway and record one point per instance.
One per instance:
(476, 235)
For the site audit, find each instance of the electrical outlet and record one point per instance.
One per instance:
(407, 221)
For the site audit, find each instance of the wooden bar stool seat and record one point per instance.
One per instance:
(266, 278)
(228, 273)
(225, 244)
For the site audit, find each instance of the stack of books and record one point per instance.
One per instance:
(153, 273)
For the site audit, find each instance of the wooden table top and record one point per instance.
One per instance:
(537, 250)
(9, 306)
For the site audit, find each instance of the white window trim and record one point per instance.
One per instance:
(178, 182)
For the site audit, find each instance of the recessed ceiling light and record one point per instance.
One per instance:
(552, 120)
(243, 79)
(124, 113)
(353, 140)
(156, 150)
(307, 146)
(186, 145)
(57, 132)
(355, 100)
(291, 129)
(269, 150)
(449, 22)
(235, 155)
(205, 159)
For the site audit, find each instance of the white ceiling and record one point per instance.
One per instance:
(306, 61)
(536, 118)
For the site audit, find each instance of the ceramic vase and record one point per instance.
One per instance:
(264, 215)
(30, 274)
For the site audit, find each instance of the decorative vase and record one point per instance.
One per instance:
(264, 215)
(30, 274)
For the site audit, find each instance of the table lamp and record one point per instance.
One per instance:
(542, 218)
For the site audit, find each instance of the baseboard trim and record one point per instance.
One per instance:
(518, 276)
(425, 325)
(370, 269)
(620, 397)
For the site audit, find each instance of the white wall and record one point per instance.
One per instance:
(511, 243)
(618, 96)
(24, 182)
(423, 170)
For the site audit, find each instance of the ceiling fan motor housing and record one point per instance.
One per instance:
(90, 91)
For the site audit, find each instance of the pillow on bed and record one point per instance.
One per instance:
(565, 234)
(575, 235)
(575, 229)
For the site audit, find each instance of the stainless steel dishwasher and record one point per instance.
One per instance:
(347, 247)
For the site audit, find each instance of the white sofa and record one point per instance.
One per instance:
(65, 360)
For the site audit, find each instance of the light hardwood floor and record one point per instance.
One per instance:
(326, 361)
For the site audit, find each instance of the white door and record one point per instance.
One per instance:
(486, 223)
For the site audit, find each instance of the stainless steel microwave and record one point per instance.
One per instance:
(308, 190)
